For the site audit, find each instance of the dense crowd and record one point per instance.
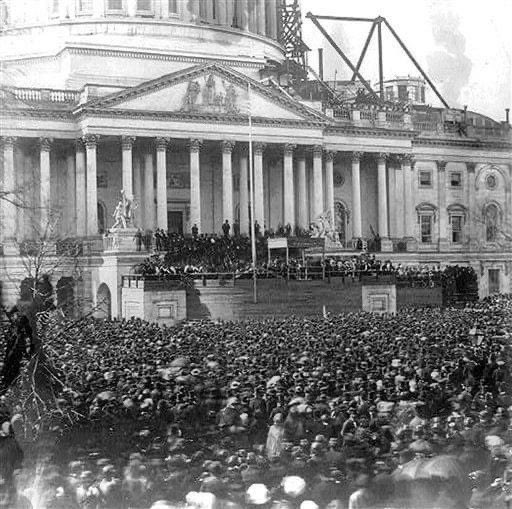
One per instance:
(356, 410)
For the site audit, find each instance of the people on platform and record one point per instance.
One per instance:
(226, 228)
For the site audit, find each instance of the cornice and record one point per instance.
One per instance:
(466, 143)
(196, 117)
(153, 55)
(37, 113)
(351, 130)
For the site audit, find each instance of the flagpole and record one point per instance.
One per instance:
(251, 200)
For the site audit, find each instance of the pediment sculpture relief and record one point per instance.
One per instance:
(213, 96)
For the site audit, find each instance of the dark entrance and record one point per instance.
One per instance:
(494, 281)
(175, 221)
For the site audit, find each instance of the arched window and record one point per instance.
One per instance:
(492, 222)
(103, 302)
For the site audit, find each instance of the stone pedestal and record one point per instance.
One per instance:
(379, 298)
(386, 246)
(411, 245)
(121, 240)
(443, 245)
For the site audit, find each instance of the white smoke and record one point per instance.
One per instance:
(448, 65)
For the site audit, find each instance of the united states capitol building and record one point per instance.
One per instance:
(152, 97)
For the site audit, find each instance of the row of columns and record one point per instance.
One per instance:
(258, 16)
(82, 177)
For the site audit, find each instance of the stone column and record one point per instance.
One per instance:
(209, 10)
(329, 184)
(70, 194)
(81, 189)
(272, 17)
(442, 238)
(318, 186)
(194, 9)
(407, 162)
(244, 194)
(44, 183)
(229, 13)
(392, 200)
(222, 13)
(161, 183)
(137, 191)
(195, 184)
(149, 192)
(470, 167)
(302, 192)
(261, 17)
(288, 187)
(91, 142)
(386, 245)
(8, 186)
(127, 146)
(259, 209)
(243, 14)
(227, 183)
(357, 226)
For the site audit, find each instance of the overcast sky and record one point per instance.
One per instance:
(464, 46)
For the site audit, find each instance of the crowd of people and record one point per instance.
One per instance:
(350, 411)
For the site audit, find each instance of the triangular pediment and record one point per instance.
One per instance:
(208, 90)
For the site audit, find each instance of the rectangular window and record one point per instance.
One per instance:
(85, 6)
(425, 178)
(403, 94)
(390, 95)
(115, 5)
(422, 94)
(426, 229)
(416, 93)
(456, 179)
(144, 5)
(456, 229)
(173, 7)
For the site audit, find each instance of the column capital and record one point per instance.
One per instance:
(288, 149)
(318, 150)
(406, 159)
(258, 147)
(441, 165)
(162, 143)
(356, 156)
(8, 141)
(329, 155)
(45, 144)
(471, 167)
(79, 145)
(127, 142)
(227, 146)
(194, 145)
(91, 140)
(382, 157)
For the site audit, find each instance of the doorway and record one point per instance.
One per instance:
(175, 221)
(494, 281)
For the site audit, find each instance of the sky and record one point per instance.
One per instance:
(464, 46)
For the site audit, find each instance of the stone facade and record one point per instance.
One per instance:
(154, 98)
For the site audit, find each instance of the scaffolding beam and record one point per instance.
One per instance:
(368, 87)
(365, 49)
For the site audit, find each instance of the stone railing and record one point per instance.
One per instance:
(40, 95)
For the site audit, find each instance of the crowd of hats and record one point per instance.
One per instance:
(294, 412)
